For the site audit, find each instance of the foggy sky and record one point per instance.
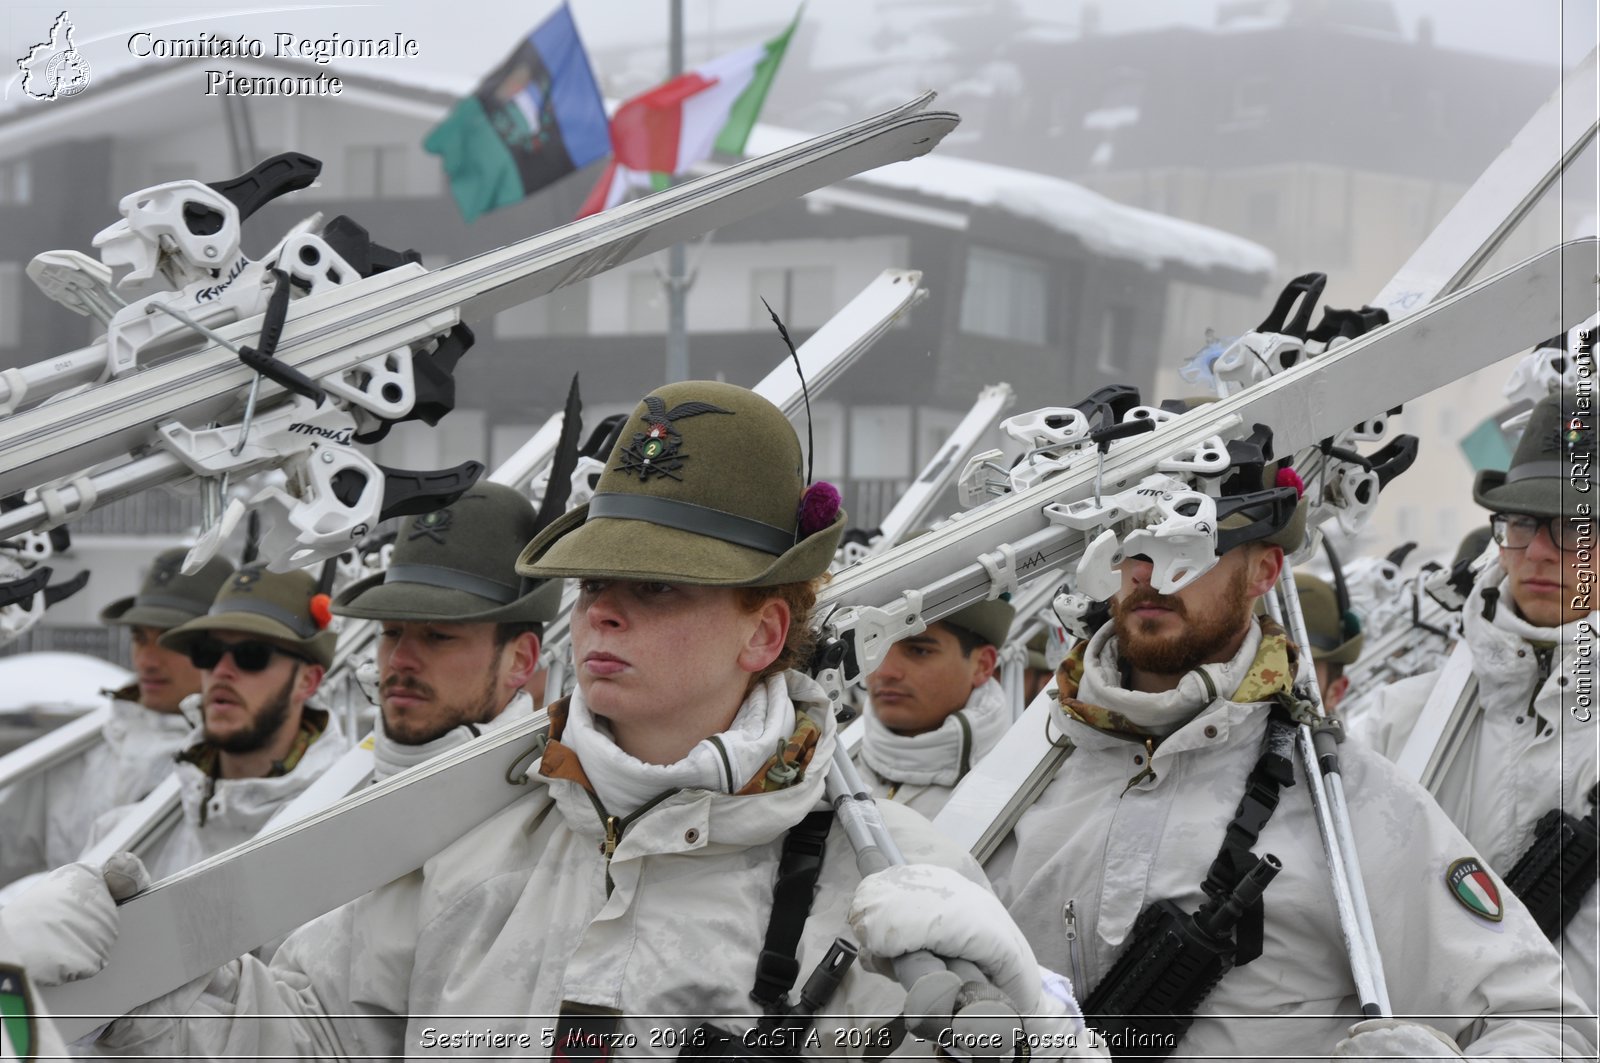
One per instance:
(464, 40)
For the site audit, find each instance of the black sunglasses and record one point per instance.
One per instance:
(206, 654)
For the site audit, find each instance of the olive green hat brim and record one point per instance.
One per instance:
(319, 648)
(988, 620)
(1537, 496)
(1289, 537)
(125, 612)
(573, 547)
(1347, 652)
(373, 599)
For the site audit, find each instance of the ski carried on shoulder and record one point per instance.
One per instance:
(329, 333)
(335, 815)
(1016, 541)
(196, 920)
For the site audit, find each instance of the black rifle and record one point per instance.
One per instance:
(1559, 868)
(1173, 961)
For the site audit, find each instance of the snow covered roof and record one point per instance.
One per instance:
(57, 680)
(1104, 225)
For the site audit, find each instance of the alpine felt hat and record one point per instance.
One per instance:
(703, 487)
(459, 565)
(989, 620)
(1334, 633)
(1552, 470)
(167, 597)
(278, 607)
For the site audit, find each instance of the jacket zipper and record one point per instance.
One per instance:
(1543, 660)
(615, 825)
(1069, 916)
(1149, 771)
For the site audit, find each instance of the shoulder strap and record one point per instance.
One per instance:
(798, 870)
(1273, 771)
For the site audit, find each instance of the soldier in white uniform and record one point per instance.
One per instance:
(261, 650)
(459, 629)
(48, 819)
(1530, 742)
(935, 707)
(1177, 710)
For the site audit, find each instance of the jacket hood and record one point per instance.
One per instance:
(389, 756)
(247, 804)
(939, 757)
(697, 817)
(1091, 695)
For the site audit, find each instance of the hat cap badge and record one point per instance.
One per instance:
(657, 451)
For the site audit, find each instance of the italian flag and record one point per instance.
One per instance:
(665, 131)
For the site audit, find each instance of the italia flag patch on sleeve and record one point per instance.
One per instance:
(1470, 884)
(16, 1016)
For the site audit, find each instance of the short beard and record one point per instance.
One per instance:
(418, 732)
(264, 725)
(1202, 641)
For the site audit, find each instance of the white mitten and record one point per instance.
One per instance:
(62, 929)
(1395, 1039)
(912, 907)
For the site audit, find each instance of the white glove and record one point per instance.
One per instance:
(914, 907)
(1395, 1039)
(63, 929)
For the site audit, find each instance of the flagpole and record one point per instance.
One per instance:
(677, 282)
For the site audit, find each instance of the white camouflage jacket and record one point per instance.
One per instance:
(919, 771)
(1118, 830)
(221, 813)
(47, 820)
(1532, 745)
(476, 951)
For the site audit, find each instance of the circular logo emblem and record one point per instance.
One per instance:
(67, 73)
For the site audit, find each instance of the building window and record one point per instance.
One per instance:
(802, 296)
(16, 182)
(647, 303)
(10, 304)
(880, 442)
(1004, 296)
(375, 171)
(1116, 340)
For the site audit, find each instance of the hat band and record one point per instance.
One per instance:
(170, 601)
(686, 516)
(450, 579)
(302, 626)
(1320, 641)
(1537, 470)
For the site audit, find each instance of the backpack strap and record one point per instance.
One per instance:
(1273, 771)
(799, 867)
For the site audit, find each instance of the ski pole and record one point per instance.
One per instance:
(1320, 757)
(940, 995)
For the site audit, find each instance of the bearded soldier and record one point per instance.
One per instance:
(459, 629)
(47, 820)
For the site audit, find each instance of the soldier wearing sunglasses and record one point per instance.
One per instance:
(1530, 745)
(261, 650)
(47, 820)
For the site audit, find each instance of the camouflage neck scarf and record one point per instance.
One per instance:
(1270, 672)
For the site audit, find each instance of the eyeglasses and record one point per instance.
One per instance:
(1516, 531)
(206, 654)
